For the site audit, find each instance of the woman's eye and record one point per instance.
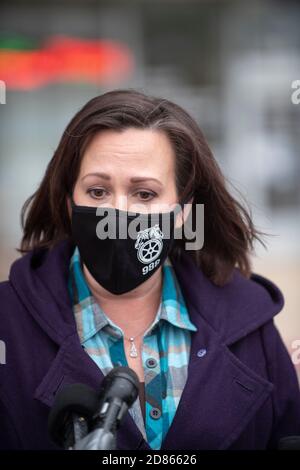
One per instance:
(145, 195)
(97, 193)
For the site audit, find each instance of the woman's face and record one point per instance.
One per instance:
(132, 170)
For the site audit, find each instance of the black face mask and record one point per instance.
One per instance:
(120, 262)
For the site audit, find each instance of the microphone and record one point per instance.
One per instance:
(70, 417)
(289, 443)
(118, 392)
(84, 419)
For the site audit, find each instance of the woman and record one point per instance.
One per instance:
(192, 321)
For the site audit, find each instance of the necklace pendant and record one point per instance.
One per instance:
(133, 350)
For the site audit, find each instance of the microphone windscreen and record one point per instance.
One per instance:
(73, 398)
(121, 382)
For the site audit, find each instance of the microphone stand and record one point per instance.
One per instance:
(99, 439)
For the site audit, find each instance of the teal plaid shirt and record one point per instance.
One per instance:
(166, 343)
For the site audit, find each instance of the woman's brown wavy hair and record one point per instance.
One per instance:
(229, 232)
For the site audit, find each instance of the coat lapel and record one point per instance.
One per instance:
(222, 393)
(220, 397)
(73, 365)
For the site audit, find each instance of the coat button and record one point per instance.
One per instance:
(151, 362)
(155, 413)
(201, 352)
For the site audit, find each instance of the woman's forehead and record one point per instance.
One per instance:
(135, 152)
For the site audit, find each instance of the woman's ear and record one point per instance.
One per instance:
(184, 213)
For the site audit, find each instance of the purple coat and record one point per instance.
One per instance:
(242, 394)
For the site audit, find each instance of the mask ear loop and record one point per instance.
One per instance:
(180, 208)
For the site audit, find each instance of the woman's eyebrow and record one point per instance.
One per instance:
(100, 175)
(134, 179)
(139, 179)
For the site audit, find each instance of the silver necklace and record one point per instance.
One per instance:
(133, 352)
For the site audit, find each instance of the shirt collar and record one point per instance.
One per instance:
(90, 318)
(174, 309)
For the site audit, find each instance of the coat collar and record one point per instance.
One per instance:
(234, 310)
(219, 381)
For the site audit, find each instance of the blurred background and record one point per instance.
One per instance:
(230, 63)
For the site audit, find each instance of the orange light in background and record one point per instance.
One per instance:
(66, 59)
